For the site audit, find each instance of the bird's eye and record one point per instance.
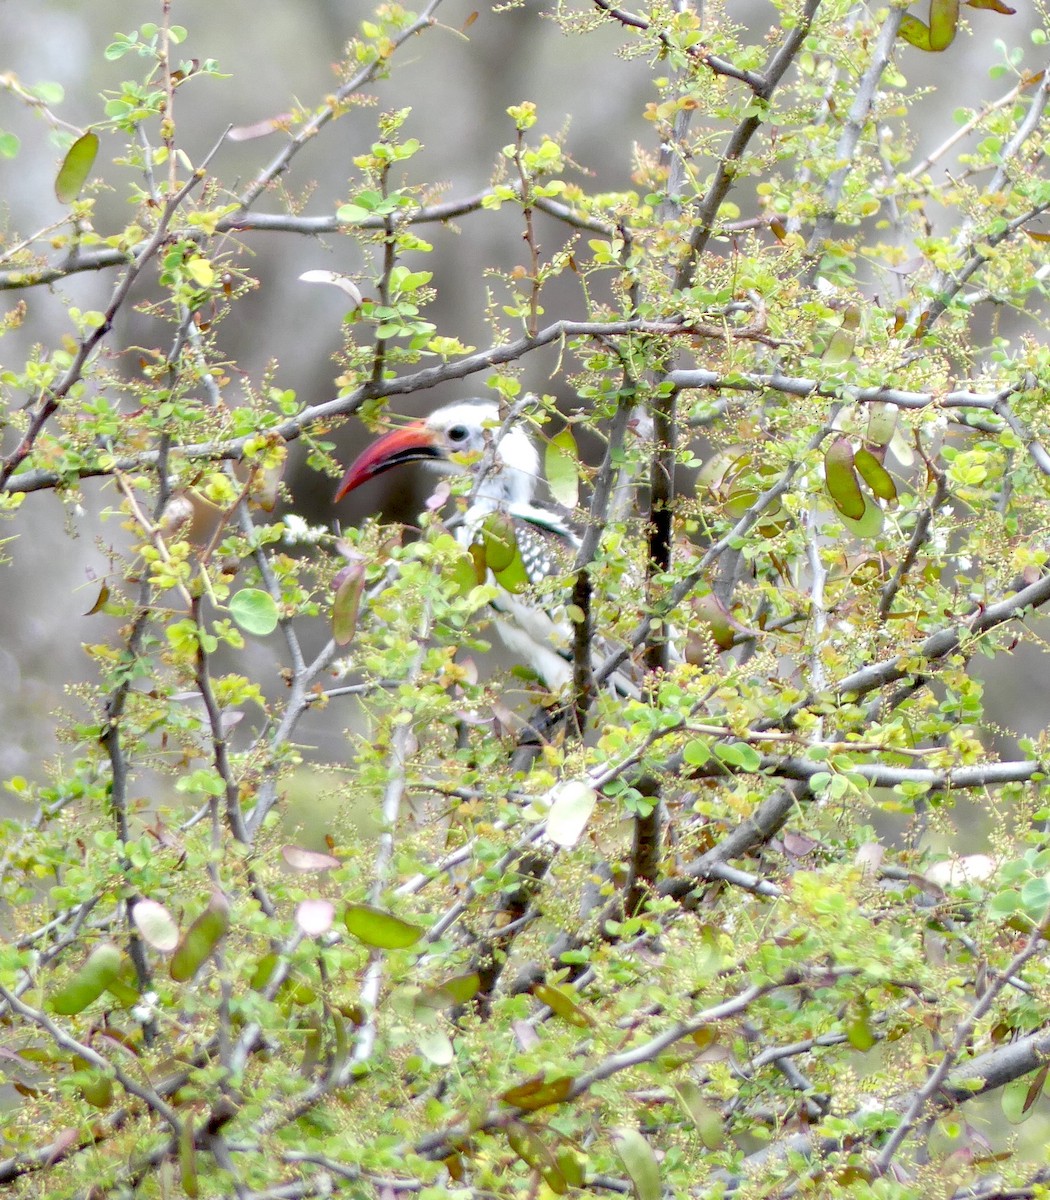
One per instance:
(458, 433)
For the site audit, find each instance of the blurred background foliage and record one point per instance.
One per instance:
(477, 62)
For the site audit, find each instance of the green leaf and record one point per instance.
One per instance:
(352, 214)
(376, 927)
(869, 524)
(201, 938)
(859, 1030)
(49, 91)
(461, 988)
(95, 1085)
(349, 587)
(76, 167)
(9, 145)
(255, 611)
(1018, 1098)
(739, 755)
(562, 1000)
(561, 464)
(502, 556)
(882, 424)
(436, 1046)
(875, 475)
(570, 811)
(533, 1151)
(841, 479)
(940, 33)
(697, 752)
(98, 972)
(538, 1092)
(704, 1116)
(840, 346)
(188, 1158)
(640, 1163)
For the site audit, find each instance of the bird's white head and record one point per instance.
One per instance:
(456, 438)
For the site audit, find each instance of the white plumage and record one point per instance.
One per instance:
(469, 436)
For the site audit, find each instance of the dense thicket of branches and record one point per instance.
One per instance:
(702, 941)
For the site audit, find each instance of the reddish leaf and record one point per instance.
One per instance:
(245, 133)
(349, 587)
(307, 860)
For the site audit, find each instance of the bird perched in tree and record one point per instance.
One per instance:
(469, 437)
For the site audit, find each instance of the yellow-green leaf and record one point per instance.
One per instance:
(940, 33)
(349, 587)
(561, 464)
(201, 938)
(562, 1000)
(573, 803)
(538, 1092)
(200, 271)
(841, 343)
(704, 1116)
(841, 479)
(255, 611)
(875, 475)
(640, 1163)
(76, 167)
(376, 927)
(502, 555)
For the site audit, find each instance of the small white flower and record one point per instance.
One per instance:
(298, 532)
(146, 1009)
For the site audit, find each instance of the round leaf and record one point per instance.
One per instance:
(254, 611)
(436, 1046)
(314, 917)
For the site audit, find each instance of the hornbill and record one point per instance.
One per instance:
(469, 437)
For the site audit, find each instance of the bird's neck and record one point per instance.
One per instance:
(506, 488)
